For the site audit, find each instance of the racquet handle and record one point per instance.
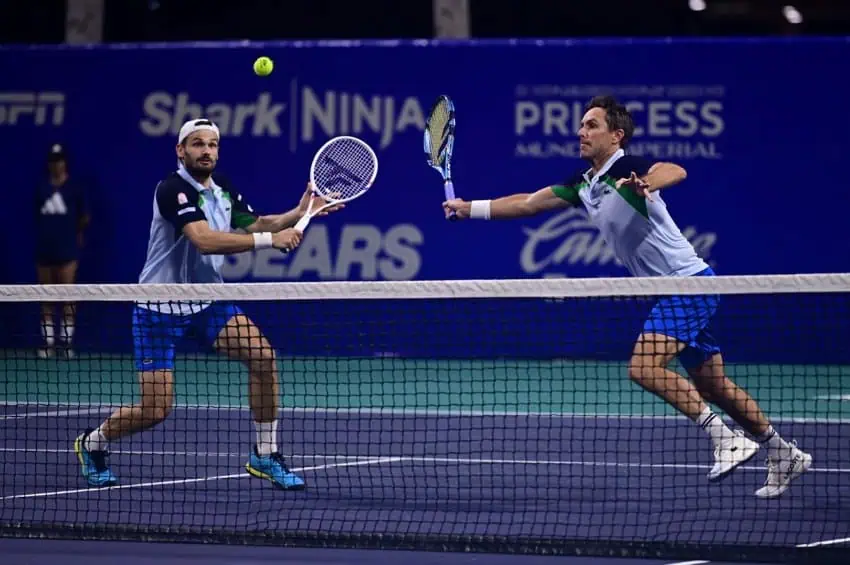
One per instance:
(450, 195)
(302, 223)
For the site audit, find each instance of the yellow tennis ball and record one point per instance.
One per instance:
(263, 66)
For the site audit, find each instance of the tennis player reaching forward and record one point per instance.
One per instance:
(620, 194)
(195, 213)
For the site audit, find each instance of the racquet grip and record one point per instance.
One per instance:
(450, 195)
(302, 223)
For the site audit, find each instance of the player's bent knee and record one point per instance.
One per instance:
(636, 373)
(154, 415)
(157, 400)
(262, 359)
(262, 366)
(156, 410)
(641, 368)
(711, 387)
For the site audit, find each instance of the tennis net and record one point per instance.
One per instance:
(498, 416)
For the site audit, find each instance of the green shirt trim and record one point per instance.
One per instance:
(569, 192)
(635, 200)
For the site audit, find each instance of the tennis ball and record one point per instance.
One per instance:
(263, 66)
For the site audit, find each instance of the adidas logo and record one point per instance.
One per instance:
(55, 205)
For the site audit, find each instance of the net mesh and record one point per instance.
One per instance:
(452, 415)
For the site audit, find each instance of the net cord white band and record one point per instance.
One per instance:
(433, 289)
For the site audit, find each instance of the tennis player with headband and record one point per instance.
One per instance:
(620, 195)
(195, 214)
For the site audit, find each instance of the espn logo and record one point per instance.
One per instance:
(39, 107)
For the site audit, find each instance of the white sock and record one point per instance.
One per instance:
(47, 332)
(714, 426)
(96, 441)
(66, 330)
(266, 437)
(776, 446)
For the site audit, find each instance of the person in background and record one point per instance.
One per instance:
(61, 217)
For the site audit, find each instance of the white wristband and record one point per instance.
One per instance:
(262, 240)
(479, 209)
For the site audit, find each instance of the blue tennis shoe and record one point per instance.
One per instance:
(273, 468)
(95, 469)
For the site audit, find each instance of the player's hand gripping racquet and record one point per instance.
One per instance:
(343, 169)
(439, 142)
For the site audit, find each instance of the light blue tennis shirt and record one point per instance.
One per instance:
(642, 234)
(171, 256)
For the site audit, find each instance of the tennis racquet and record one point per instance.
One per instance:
(343, 169)
(439, 142)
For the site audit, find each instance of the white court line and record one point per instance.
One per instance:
(581, 463)
(690, 563)
(243, 475)
(53, 413)
(378, 411)
(841, 397)
(825, 542)
(173, 453)
(178, 453)
(448, 460)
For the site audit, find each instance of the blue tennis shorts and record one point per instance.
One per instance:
(156, 334)
(688, 320)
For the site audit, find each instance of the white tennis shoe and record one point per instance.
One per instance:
(784, 469)
(730, 453)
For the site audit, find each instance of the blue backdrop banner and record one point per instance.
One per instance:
(757, 124)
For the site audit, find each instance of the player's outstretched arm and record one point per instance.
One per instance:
(211, 242)
(645, 179)
(513, 206)
(276, 222)
(663, 174)
(182, 208)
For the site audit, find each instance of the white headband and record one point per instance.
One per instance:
(192, 126)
